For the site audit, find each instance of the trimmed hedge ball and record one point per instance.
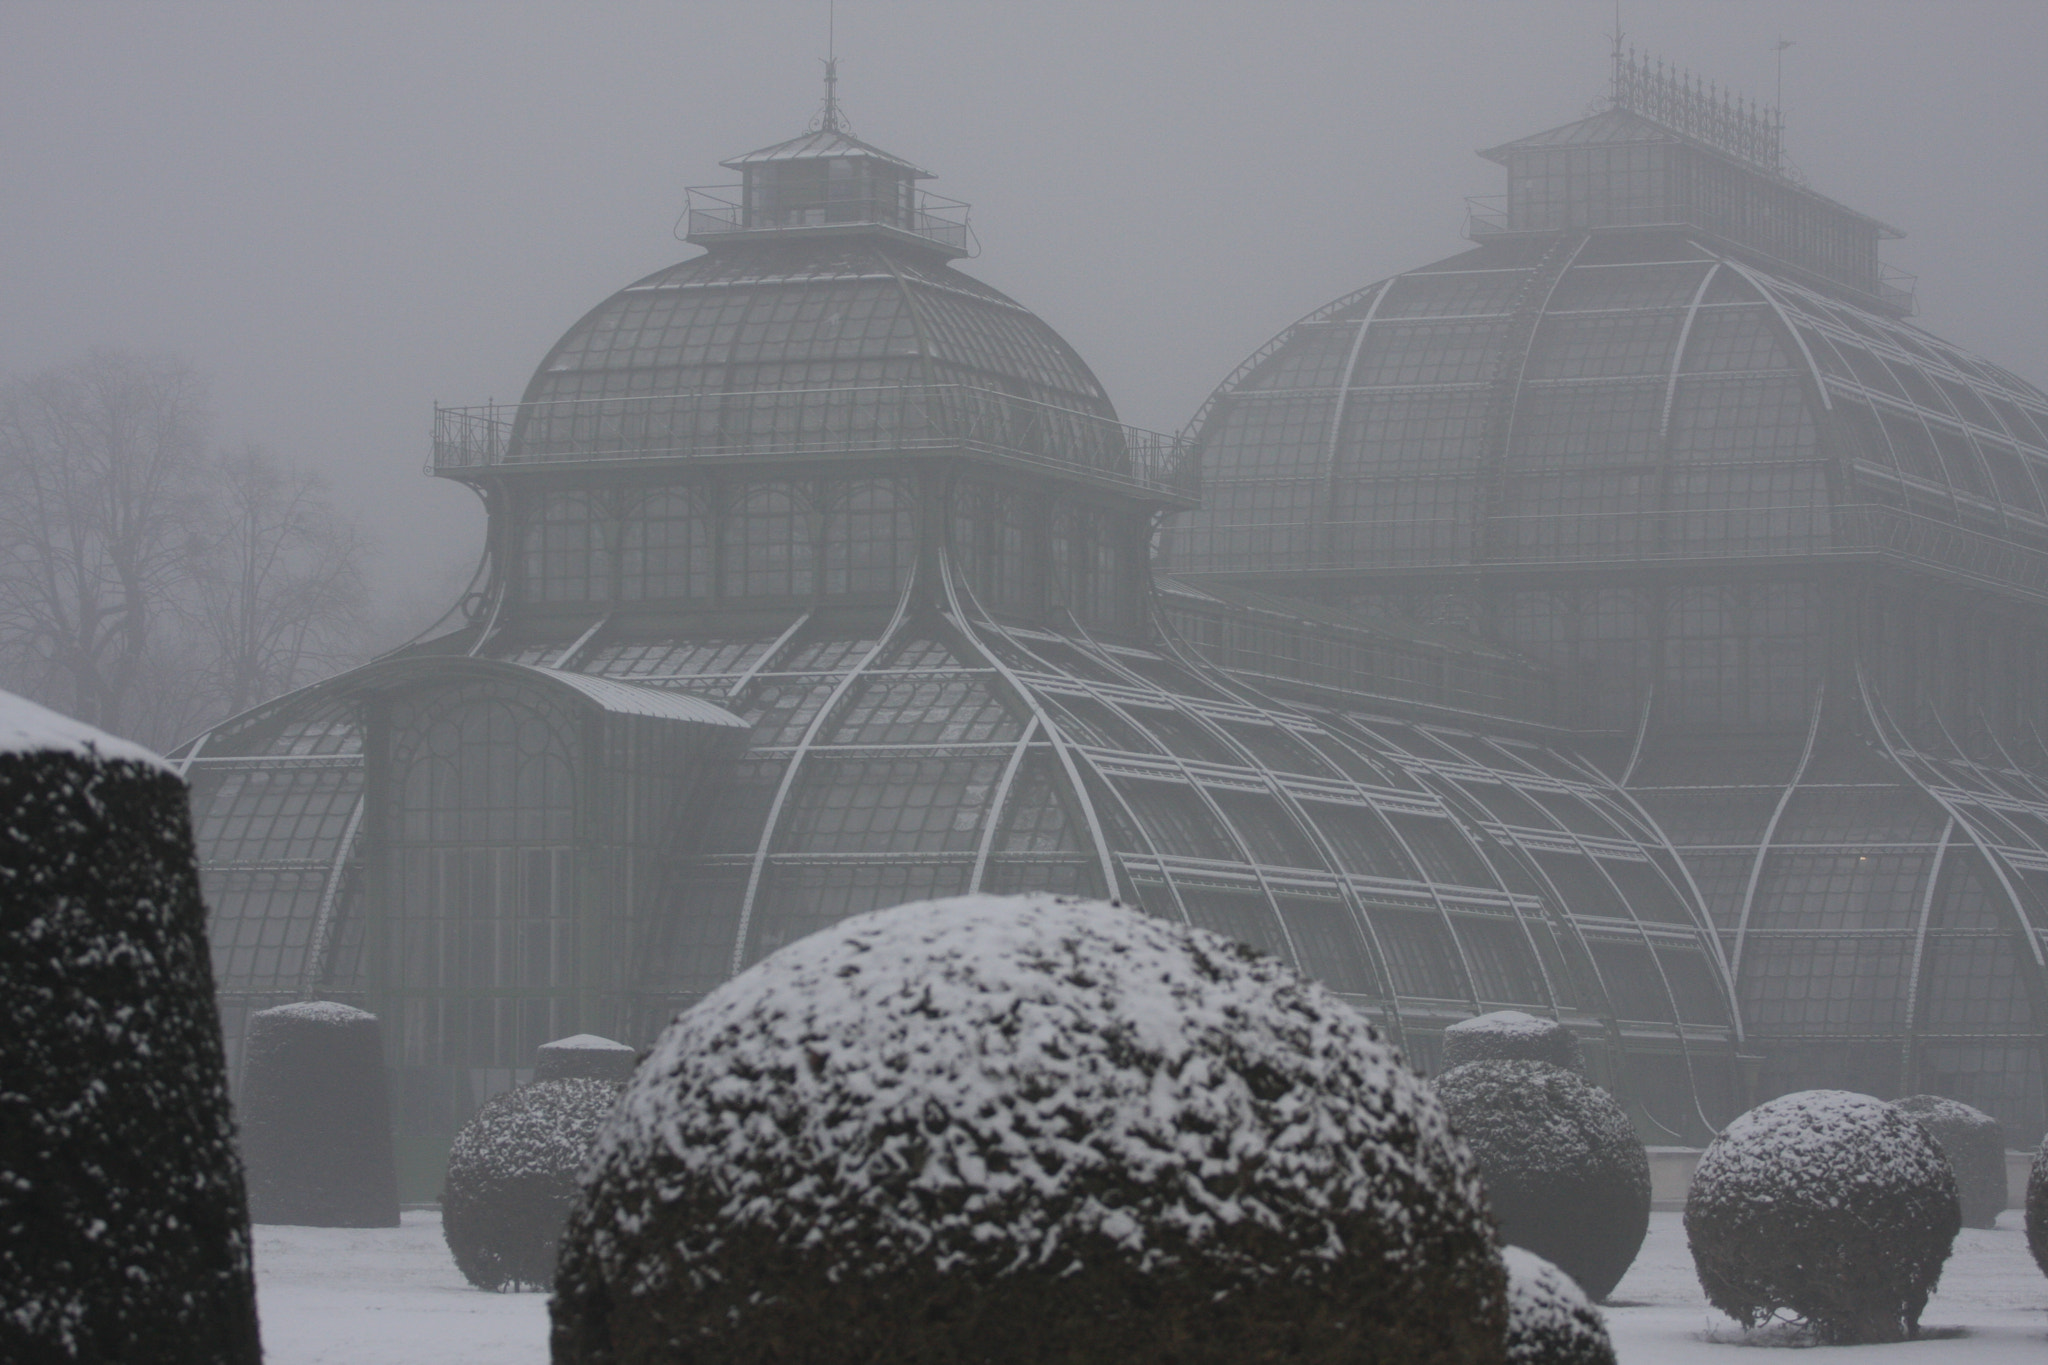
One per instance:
(2037, 1208)
(1974, 1143)
(1550, 1321)
(316, 1118)
(586, 1055)
(124, 1232)
(1512, 1036)
(1565, 1172)
(1832, 1206)
(1025, 1129)
(512, 1177)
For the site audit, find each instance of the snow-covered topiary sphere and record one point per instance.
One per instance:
(1512, 1036)
(1021, 1129)
(512, 1177)
(1550, 1320)
(124, 1235)
(2037, 1207)
(1832, 1206)
(1565, 1172)
(1974, 1143)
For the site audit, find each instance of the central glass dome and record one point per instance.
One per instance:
(825, 314)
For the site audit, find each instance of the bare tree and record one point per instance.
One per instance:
(100, 459)
(147, 587)
(280, 591)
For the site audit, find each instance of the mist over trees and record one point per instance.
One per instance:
(151, 584)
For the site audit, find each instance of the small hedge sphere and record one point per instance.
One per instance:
(1550, 1322)
(512, 1177)
(1974, 1143)
(2037, 1208)
(1027, 1129)
(1832, 1206)
(1512, 1036)
(1565, 1172)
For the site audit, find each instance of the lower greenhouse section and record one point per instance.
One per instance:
(589, 824)
(1881, 900)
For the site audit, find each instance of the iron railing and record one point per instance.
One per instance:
(716, 210)
(1814, 530)
(878, 418)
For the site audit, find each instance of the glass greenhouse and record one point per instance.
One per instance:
(1562, 627)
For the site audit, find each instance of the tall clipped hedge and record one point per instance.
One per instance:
(1974, 1143)
(316, 1118)
(124, 1235)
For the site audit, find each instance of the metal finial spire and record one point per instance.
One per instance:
(1614, 66)
(830, 120)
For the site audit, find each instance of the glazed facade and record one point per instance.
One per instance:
(1782, 549)
(819, 578)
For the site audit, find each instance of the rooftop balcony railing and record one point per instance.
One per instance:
(718, 210)
(865, 419)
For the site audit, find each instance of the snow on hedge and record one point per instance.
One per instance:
(583, 1054)
(1511, 1035)
(1830, 1205)
(26, 728)
(1565, 1172)
(1550, 1320)
(1053, 1128)
(316, 1117)
(124, 1234)
(512, 1176)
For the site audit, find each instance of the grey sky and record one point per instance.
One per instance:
(344, 212)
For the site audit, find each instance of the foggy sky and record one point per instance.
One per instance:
(344, 212)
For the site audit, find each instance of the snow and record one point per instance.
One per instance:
(320, 1012)
(1066, 1040)
(1813, 1144)
(1511, 1035)
(585, 1042)
(1508, 1023)
(1549, 1317)
(392, 1296)
(26, 728)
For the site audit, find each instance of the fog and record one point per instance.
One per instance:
(343, 213)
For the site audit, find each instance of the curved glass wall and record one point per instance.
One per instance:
(1425, 872)
(1612, 395)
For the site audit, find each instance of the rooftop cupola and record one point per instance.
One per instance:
(1673, 150)
(827, 182)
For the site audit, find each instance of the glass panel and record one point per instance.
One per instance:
(1329, 944)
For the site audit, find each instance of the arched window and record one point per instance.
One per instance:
(563, 552)
(770, 545)
(868, 538)
(666, 548)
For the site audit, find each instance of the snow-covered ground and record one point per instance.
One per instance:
(392, 1296)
